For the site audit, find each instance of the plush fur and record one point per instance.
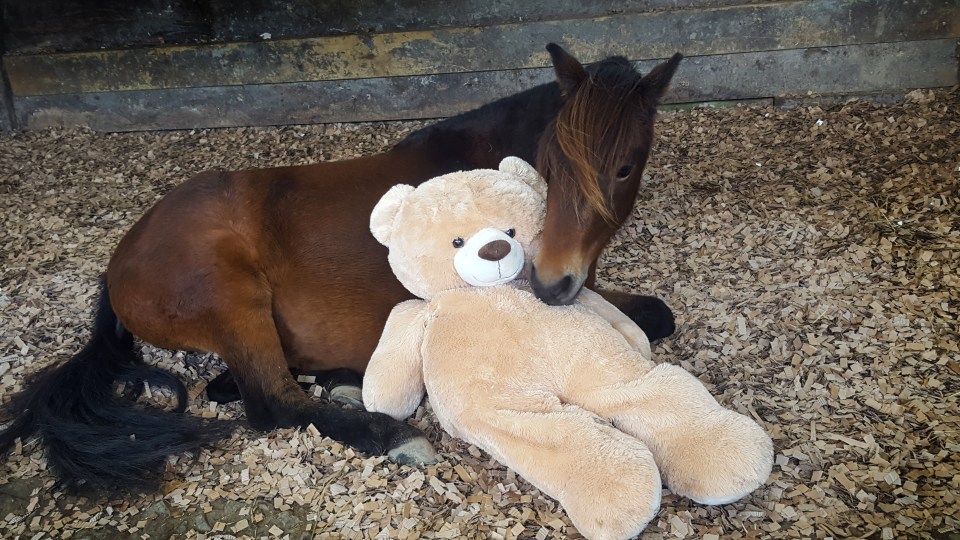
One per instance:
(568, 395)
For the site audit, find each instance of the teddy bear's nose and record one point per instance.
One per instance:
(494, 251)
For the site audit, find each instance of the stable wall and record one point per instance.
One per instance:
(162, 64)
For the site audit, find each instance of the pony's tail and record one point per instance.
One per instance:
(93, 434)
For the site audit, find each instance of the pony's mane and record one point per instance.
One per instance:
(596, 130)
(532, 103)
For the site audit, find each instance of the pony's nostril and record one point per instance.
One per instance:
(494, 251)
(562, 287)
(559, 293)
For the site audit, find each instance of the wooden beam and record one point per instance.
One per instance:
(6, 108)
(6, 98)
(854, 69)
(44, 26)
(727, 30)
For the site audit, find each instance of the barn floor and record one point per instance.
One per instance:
(812, 257)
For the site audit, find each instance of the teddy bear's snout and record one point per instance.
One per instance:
(489, 257)
(494, 251)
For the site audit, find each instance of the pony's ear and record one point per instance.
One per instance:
(570, 72)
(526, 172)
(385, 212)
(657, 81)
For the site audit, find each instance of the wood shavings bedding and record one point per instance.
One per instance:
(811, 257)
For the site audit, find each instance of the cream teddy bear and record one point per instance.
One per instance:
(567, 396)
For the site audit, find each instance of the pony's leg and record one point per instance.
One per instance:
(223, 388)
(651, 314)
(706, 452)
(606, 480)
(344, 385)
(250, 346)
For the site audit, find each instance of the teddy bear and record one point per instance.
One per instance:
(566, 396)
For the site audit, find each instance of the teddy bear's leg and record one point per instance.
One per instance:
(705, 452)
(606, 480)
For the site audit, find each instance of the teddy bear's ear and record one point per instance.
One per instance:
(385, 212)
(525, 171)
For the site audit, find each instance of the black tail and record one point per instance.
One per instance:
(90, 432)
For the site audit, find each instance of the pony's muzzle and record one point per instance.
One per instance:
(557, 293)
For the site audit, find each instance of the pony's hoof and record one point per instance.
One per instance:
(347, 394)
(652, 315)
(417, 451)
(223, 388)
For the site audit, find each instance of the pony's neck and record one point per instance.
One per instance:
(480, 138)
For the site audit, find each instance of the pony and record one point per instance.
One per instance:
(275, 270)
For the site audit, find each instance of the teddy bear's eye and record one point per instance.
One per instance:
(458, 242)
(511, 232)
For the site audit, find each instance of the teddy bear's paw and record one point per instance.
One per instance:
(726, 466)
(416, 451)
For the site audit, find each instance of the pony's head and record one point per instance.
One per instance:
(592, 158)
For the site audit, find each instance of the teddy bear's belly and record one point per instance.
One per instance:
(499, 348)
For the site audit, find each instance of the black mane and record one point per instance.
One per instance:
(511, 125)
(514, 122)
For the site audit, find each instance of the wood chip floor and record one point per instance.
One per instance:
(812, 257)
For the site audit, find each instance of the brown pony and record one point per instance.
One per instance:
(593, 158)
(275, 269)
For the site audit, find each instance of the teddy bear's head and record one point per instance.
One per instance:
(468, 228)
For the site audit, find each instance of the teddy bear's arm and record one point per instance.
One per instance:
(620, 322)
(393, 383)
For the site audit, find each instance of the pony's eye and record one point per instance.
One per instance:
(511, 232)
(458, 242)
(624, 172)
